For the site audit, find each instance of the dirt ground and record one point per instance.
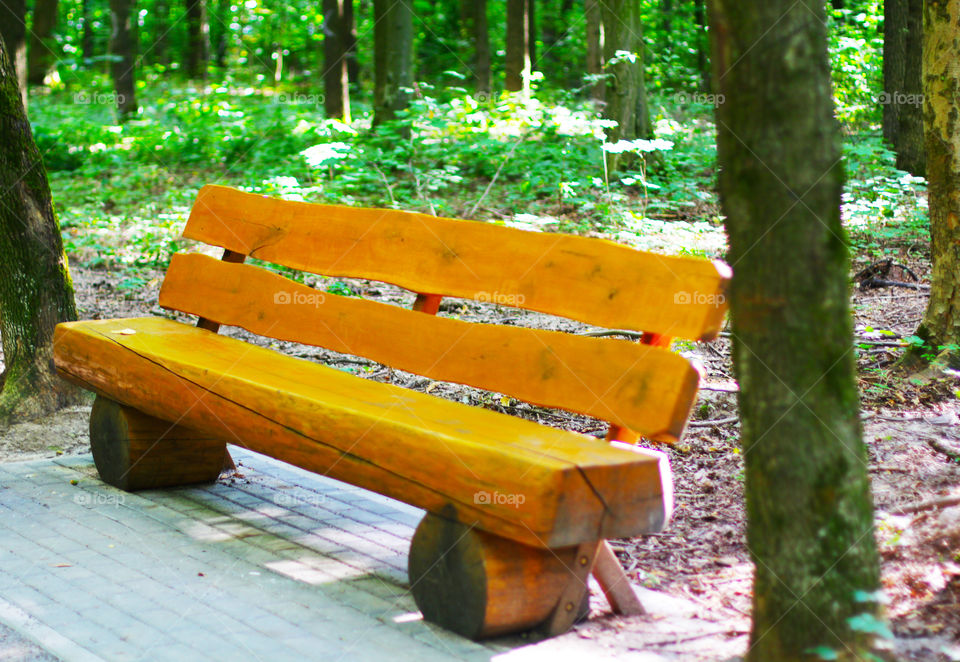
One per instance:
(702, 558)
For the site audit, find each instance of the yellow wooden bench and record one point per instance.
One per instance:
(517, 512)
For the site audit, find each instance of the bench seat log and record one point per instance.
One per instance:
(515, 478)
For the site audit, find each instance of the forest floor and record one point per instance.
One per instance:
(910, 427)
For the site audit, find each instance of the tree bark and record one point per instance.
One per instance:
(13, 31)
(626, 99)
(336, 78)
(35, 288)
(809, 507)
(40, 55)
(393, 57)
(197, 39)
(894, 55)
(941, 90)
(123, 46)
(86, 37)
(703, 64)
(479, 31)
(909, 143)
(350, 21)
(517, 62)
(594, 25)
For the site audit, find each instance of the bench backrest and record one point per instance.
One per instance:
(643, 388)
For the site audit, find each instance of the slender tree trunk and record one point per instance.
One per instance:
(41, 55)
(197, 39)
(220, 38)
(336, 80)
(909, 144)
(894, 55)
(517, 61)
(123, 46)
(13, 31)
(350, 21)
(594, 24)
(532, 33)
(809, 507)
(35, 288)
(86, 38)
(480, 31)
(160, 53)
(703, 64)
(941, 116)
(626, 101)
(393, 57)
(666, 15)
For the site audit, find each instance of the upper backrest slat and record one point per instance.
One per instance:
(647, 389)
(591, 280)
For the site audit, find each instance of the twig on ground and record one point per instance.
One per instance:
(493, 179)
(613, 332)
(941, 447)
(942, 502)
(711, 423)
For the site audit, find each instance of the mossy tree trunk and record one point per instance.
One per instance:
(40, 55)
(393, 57)
(123, 46)
(13, 32)
(625, 95)
(941, 116)
(809, 507)
(35, 288)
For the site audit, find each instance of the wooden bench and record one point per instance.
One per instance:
(517, 512)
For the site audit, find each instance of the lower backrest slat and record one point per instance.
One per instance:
(647, 389)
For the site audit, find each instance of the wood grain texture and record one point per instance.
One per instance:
(134, 451)
(414, 447)
(591, 280)
(480, 585)
(650, 390)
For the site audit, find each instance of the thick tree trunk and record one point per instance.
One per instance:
(809, 507)
(594, 24)
(336, 79)
(123, 46)
(909, 143)
(197, 39)
(13, 31)
(894, 55)
(941, 90)
(517, 62)
(41, 55)
(626, 99)
(393, 57)
(35, 288)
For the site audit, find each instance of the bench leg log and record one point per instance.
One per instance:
(481, 585)
(134, 451)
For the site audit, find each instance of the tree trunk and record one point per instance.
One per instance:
(160, 53)
(35, 288)
(480, 32)
(221, 38)
(123, 46)
(941, 83)
(703, 65)
(353, 66)
(594, 21)
(86, 38)
(626, 99)
(517, 61)
(809, 507)
(393, 57)
(336, 79)
(197, 39)
(13, 31)
(41, 56)
(909, 144)
(894, 55)
(532, 32)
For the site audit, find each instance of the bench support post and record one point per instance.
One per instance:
(134, 451)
